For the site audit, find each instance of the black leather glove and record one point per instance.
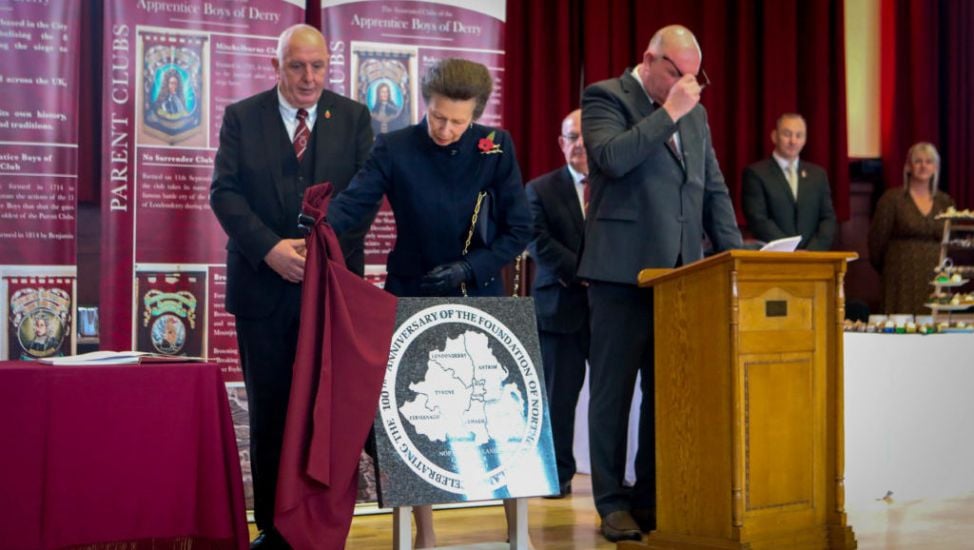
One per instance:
(444, 279)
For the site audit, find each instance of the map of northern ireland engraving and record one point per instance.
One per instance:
(465, 386)
(462, 412)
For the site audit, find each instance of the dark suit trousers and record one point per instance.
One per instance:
(622, 346)
(267, 348)
(563, 356)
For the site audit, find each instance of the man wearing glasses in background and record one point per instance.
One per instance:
(558, 201)
(656, 192)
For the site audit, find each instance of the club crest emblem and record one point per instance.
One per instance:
(167, 313)
(172, 86)
(40, 318)
(383, 85)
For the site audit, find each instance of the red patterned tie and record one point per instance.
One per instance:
(301, 135)
(586, 195)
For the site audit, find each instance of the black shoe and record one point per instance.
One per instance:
(646, 518)
(619, 525)
(269, 539)
(564, 490)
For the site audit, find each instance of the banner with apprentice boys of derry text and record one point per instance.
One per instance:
(39, 88)
(380, 50)
(171, 68)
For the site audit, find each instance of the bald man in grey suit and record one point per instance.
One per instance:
(656, 191)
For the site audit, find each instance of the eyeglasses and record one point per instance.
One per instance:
(571, 138)
(702, 77)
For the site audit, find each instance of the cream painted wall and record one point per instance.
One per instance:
(862, 43)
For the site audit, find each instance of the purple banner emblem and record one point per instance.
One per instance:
(172, 86)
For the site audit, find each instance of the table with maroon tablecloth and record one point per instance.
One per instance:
(101, 455)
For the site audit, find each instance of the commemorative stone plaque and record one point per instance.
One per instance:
(463, 413)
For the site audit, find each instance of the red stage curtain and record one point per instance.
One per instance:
(909, 53)
(957, 113)
(542, 78)
(764, 58)
(927, 83)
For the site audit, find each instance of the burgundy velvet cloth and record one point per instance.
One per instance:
(97, 456)
(343, 347)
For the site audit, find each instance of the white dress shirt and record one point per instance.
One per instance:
(289, 115)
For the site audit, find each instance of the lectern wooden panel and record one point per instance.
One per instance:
(749, 436)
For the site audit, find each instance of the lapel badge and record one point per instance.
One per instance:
(327, 113)
(804, 174)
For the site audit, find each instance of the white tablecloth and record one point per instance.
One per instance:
(909, 403)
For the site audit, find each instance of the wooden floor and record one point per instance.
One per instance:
(572, 523)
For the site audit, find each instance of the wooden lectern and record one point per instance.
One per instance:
(749, 413)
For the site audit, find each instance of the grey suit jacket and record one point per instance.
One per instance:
(648, 209)
(772, 213)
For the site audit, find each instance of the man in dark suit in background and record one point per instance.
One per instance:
(272, 146)
(557, 202)
(656, 191)
(784, 196)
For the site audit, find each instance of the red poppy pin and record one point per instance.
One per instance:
(487, 145)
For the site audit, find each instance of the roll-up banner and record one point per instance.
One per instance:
(39, 88)
(171, 68)
(380, 50)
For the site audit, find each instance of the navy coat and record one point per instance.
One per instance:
(432, 191)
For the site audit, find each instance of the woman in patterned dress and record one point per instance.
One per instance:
(904, 237)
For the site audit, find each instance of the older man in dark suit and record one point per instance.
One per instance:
(656, 191)
(557, 202)
(272, 146)
(785, 196)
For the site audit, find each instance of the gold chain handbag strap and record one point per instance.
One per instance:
(466, 246)
(517, 274)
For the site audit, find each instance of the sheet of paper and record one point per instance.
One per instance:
(787, 244)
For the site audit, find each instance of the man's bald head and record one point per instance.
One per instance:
(299, 35)
(671, 38)
(301, 65)
(672, 52)
(572, 144)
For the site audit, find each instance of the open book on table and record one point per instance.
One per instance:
(118, 358)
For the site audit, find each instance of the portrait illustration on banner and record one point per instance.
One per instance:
(40, 318)
(169, 303)
(384, 79)
(172, 77)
